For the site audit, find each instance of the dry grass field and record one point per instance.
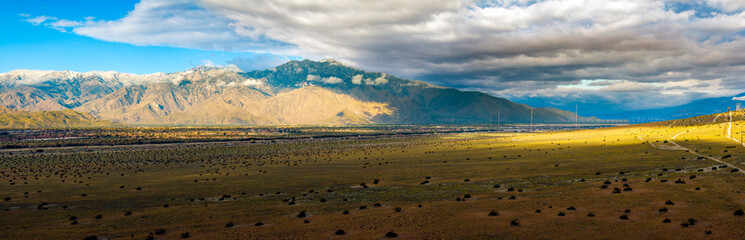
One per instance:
(667, 180)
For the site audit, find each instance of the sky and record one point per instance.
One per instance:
(605, 56)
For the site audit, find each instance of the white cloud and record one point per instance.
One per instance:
(37, 20)
(253, 82)
(312, 77)
(357, 79)
(378, 81)
(208, 63)
(332, 80)
(501, 46)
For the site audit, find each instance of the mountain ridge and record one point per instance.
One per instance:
(323, 92)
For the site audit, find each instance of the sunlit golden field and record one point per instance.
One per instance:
(546, 185)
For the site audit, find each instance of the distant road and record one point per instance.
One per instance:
(226, 142)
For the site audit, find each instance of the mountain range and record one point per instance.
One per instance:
(297, 92)
(699, 107)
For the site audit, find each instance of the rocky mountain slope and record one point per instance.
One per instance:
(18, 119)
(297, 92)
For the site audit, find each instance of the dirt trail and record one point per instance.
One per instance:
(678, 147)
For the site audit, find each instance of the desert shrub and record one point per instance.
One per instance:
(739, 212)
(561, 214)
(391, 234)
(667, 220)
(93, 237)
(229, 224)
(160, 231)
(669, 202)
(692, 221)
(340, 232)
(515, 222)
(590, 214)
(185, 235)
(397, 209)
(259, 224)
(493, 213)
(623, 217)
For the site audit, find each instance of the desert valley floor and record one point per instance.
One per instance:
(668, 180)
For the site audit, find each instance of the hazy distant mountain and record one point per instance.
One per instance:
(297, 92)
(696, 108)
(14, 119)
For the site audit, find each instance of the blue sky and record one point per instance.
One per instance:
(613, 55)
(31, 46)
